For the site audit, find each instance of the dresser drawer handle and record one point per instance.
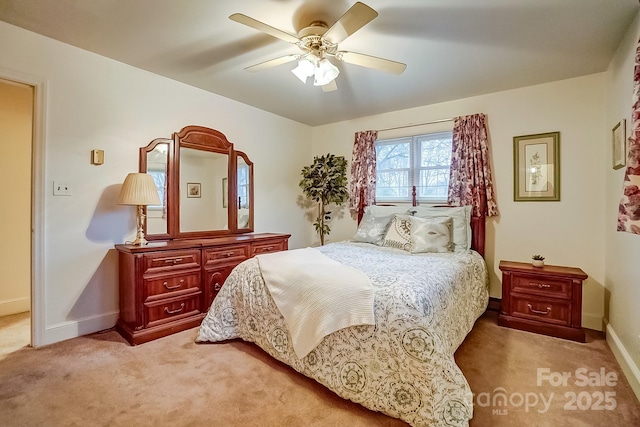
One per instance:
(540, 285)
(266, 249)
(217, 287)
(173, 261)
(228, 254)
(166, 309)
(166, 285)
(538, 311)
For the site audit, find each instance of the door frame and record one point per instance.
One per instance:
(39, 84)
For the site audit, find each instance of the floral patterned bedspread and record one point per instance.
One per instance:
(425, 305)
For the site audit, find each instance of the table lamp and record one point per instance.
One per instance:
(139, 190)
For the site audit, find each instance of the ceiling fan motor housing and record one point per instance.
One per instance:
(311, 39)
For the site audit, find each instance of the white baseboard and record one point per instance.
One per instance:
(621, 354)
(73, 329)
(14, 306)
(592, 321)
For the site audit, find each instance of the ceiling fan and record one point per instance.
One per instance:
(319, 42)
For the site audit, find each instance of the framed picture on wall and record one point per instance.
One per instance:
(193, 190)
(618, 141)
(536, 165)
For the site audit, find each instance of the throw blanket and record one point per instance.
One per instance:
(316, 295)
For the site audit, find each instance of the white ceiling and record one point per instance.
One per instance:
(453, 48)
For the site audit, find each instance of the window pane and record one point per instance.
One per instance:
(435, 152)
(393, 156)
(434, 184)
(159, 179)
(392, 185)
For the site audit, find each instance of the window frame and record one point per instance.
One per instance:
(415, 167)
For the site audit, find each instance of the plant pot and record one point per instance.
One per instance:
(537, 263)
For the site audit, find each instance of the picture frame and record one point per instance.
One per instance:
(225, 192)
(193, 190)
(618, 144)
(536, 164)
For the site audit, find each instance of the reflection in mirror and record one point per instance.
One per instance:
(243, 193)
(157, 168)
(203, 200)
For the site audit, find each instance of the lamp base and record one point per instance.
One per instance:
(140, 240)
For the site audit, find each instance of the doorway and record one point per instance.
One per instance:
(16, 154)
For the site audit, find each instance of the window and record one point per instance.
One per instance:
(159, 177)
(421, 160)
(243, 186)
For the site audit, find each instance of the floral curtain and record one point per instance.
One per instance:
(629, 209)
(470, 181)
(362, 188)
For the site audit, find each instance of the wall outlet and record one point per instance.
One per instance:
(62, 188)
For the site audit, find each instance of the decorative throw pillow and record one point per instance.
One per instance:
(461, 232)
(398, 234)
(431, 234)
(372, 228)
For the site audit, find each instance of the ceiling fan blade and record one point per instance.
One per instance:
(355, 18)
(272, 63)
(371, 62)
(261, 26)
(330, 87)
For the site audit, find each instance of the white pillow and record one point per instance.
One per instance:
(372, 228)
(398, 233)
(381, 210)
(431, 234)
(461, 216)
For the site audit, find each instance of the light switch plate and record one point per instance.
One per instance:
(62, 188)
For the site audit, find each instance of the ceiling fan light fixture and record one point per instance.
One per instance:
(305, 69)
(325, 72)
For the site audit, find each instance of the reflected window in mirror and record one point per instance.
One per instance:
(157, 167)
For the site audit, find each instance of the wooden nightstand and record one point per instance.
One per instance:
(546, 300)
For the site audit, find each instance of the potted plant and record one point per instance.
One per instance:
(325, 182)
(537, 260)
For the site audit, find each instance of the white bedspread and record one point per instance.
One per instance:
(404, 366)
(316, 295)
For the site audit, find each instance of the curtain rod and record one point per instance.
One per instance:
(418, 124)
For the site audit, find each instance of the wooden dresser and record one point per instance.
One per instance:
(167, 287)
(545, 300)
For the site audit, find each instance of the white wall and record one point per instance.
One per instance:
(622, 276)
(93, 102)
(568, 232)
(16, 114)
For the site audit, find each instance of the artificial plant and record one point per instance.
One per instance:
(325, 182)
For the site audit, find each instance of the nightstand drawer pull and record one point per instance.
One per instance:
(166, 285)
(540, 285)
(166, 309)
(539, 311)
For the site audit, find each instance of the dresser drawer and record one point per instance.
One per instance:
(541, 309)
(171, 260)
(266, 247)
(235, 254)
(165, 286)
(540, 285)
(172, 309)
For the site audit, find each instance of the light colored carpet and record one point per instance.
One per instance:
(99, 380)
(14, 333)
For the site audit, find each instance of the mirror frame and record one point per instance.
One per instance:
(206, 139)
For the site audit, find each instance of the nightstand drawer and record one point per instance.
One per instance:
(179, 284)
(543, 286)
(171, 260)
(540, 309)
(169, 310)
(235, 254)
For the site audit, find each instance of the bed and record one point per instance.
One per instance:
(424, 304)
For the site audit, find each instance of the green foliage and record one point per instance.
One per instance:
(538, 257)
(325, 182)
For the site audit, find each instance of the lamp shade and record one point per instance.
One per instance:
(139, 189)
(304, 69)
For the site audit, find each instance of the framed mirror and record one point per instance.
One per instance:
(206, 187)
